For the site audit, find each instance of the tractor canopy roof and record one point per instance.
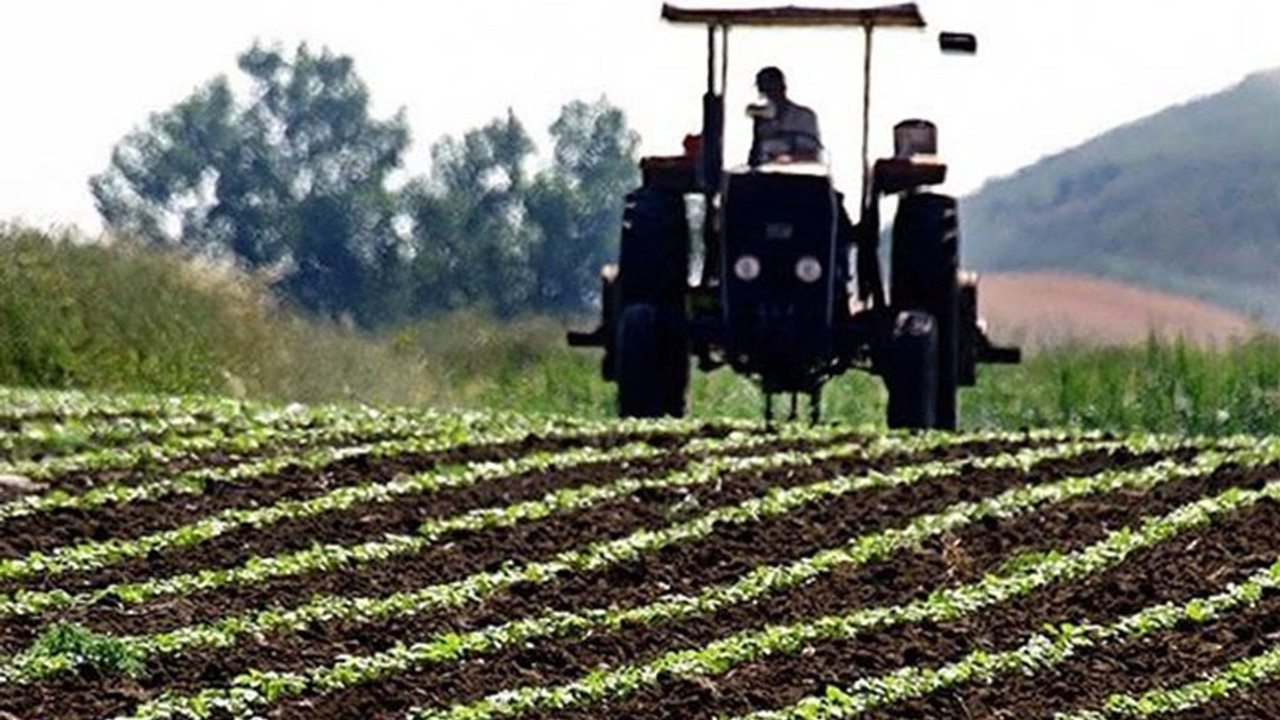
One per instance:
(906, 15)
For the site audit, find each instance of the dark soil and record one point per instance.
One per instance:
(1166, 659)
(355, 525)
(725, 555)
(473, 551)
(1196, 563)
(133, 520)
(49, 530)
(1202, 564)
(957, 559)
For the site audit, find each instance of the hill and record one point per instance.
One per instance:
(1187, 200)
(1048, 308)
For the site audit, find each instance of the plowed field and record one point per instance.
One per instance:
(210, 559)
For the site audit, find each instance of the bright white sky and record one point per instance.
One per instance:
(77, 75)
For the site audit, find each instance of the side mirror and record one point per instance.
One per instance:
(954, 42)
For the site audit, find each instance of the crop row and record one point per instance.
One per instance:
(471, 590)
(308, 427)
(327, 556)
(62, 437)
(94, 555)
(404, 437)
(22, 404)
(53, 434)
(255, 435)
(257, 687)
(1236, 678)
(1046, 649)
(333, 556)
(725, 654)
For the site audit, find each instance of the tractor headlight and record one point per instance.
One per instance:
(808, 269)
(747, 268)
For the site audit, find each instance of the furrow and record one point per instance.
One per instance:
(626, 632)
(312, 618)
(96, 555)
(297, 427)
(735, 650)
(402, 658)
(960, 557)
(376, 564)
(136, 512)
(278, 431)
(1046, 650)
(320, 559)
(1164, 657)
(1246, 688)
(251, 494)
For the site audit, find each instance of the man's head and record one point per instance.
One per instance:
(772, 84)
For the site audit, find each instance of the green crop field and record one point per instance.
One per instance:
(206, 558)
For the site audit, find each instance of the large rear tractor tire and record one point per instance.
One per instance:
(925, 276)
(652, 359)
(911, 375)
(654, 253)
(651, 352)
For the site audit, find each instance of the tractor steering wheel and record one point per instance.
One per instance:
(801, 146)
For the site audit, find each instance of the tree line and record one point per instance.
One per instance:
(294, 180)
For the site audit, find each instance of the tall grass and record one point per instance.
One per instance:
(120, 318)
(1162, 385)
(75, 314)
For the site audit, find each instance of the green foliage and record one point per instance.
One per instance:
(487, 234)
(577, 203)
(1163, 386)
(292, 179)
(78, 647)
(74, 314)
(125, 318)
(121, 317)
(1184, 201)
(1166, 386)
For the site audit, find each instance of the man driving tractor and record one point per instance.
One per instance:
(783, 129)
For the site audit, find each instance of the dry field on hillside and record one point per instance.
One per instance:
(1045, 308)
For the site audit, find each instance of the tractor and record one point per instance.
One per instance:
(790, 292)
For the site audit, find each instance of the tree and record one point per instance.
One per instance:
(486, 233)
(293, 179)
(577, 203)
(471, 239)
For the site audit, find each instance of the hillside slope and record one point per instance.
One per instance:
(117, 316)
(1187, 200)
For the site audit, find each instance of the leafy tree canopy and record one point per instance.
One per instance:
(517, 242)
(292, 179)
